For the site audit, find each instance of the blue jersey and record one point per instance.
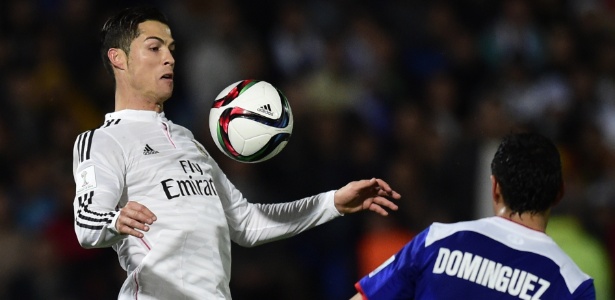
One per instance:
(490, 258)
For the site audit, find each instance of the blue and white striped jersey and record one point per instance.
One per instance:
(142, 156)
(490, 258)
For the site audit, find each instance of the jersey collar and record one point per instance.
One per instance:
(137, 115)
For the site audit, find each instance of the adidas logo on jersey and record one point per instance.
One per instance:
(149, 150)
(266, 109)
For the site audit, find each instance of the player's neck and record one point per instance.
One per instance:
(535, 221)
(136, 102)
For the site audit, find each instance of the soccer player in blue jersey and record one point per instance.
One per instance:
(507, 256)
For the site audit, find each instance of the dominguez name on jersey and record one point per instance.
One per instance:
(490, 274)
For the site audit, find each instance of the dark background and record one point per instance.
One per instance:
(415, 92)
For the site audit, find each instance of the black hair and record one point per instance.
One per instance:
(528, 169)
(122, 28)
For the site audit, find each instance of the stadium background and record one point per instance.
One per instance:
(415, 92)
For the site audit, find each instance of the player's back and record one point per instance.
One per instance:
(496, 258)
(491, 258)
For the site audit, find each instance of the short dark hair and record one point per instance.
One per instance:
(122, 28)
(528, 169)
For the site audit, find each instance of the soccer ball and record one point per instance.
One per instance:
(250, 121)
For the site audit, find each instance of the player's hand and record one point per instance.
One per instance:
(372, 194)
(134, 219)
(357, 296)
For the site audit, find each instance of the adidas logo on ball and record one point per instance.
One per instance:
(266, 109)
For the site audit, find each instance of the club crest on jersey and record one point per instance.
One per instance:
(200, 148)
(86, 180)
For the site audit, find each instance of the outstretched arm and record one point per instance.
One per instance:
(372, 194)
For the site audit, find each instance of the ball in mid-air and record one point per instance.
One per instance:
(251, 121)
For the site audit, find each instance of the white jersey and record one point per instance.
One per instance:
(142, 156)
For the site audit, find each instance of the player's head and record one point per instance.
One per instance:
(528, 170)
(136, 47)
(122, 28)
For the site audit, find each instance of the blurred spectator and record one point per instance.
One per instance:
(514, 37)
(442, 100)
(218, 42)
(13, 253)
(333, 87)
(295, 45)
(33, 197)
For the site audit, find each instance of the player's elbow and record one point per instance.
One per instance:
(85, 242)
(88, 239)
(246, 244)
(244, 240)
(86, 245)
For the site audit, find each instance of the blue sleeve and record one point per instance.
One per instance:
(396, 277)
(585, 291)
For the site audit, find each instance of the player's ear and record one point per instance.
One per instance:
(497, 201)
(496, 193)
(117, 57)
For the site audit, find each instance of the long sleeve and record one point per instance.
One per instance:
(252, 224)
(98, 172)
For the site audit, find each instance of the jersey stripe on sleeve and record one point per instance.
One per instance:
(111, 122)
(85, 144)
(89, 219)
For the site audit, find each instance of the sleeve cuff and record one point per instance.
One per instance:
(111, 227)
(330, 202)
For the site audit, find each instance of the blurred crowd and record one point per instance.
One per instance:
(415, 92)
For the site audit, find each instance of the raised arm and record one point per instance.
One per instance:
(253, 224)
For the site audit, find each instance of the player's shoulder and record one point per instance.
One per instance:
(104, 136)
(93, 140)
(111, 128)
(94, 134)
(438, 231)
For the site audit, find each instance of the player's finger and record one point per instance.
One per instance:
(378, 209)
(134, 218)
(132, 223)
(139, 212)
(140, 216)
(392, 194)
(141, 208)
(384, 186)
(386, 203)
(124, 229)
(364, 184)
(132, 227)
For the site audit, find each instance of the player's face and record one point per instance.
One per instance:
(150, 62)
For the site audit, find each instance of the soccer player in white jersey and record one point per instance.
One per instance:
(147, 188)
(507, 256)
